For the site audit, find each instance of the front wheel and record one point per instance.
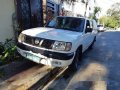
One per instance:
(78, 56)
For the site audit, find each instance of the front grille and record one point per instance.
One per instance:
(44, 43)
(28, 40)
(47, 44)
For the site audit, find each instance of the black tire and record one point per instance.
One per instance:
(91, 46)
(78, 56)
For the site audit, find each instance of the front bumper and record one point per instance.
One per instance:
(45, 57)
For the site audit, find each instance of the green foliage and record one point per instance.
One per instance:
(1, 48)
(96, 11)
(114, 12)
(112, 22)
(8, 51)
(109, 21)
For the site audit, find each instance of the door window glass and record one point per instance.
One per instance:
(88, 27)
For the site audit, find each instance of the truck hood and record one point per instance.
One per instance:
(52, 34)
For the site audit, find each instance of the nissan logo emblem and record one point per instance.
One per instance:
(37, 41)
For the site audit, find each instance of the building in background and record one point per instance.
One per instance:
(77, 8)
(52, 9)
(66, 8)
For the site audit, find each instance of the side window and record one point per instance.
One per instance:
(88, 26)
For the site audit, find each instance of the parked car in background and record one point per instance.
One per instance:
(61, 43)
(101, 28)
(118, 28)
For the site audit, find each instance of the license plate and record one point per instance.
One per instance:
(33, 57)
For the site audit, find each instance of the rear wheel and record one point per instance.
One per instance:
(78, 56)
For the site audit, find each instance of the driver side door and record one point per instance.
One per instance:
(88, 34)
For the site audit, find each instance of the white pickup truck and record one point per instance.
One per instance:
(60, 43)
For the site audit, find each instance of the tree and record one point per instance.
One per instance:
(86, 2)
(108, 21)
(95, 12)
(114, 12)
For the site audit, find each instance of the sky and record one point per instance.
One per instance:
(105, 5)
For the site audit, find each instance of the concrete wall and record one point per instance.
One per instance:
(6, 10)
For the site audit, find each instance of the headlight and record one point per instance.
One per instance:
(21, 38)
(62, 46)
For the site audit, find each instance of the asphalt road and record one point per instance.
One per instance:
(99, 69)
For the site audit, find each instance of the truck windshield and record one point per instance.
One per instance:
(67, 23)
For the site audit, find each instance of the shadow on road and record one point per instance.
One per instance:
(15, 68)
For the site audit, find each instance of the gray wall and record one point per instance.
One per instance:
(6, 10)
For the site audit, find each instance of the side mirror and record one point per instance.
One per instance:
(88, 29)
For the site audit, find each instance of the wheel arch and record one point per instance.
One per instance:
(80, 47)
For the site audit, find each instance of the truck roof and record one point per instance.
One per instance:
(74, 17)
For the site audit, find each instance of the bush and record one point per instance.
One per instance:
(109, 21)
(1, 48)
(8, 51)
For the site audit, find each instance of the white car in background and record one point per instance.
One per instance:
(61, 43)
(101, 28)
